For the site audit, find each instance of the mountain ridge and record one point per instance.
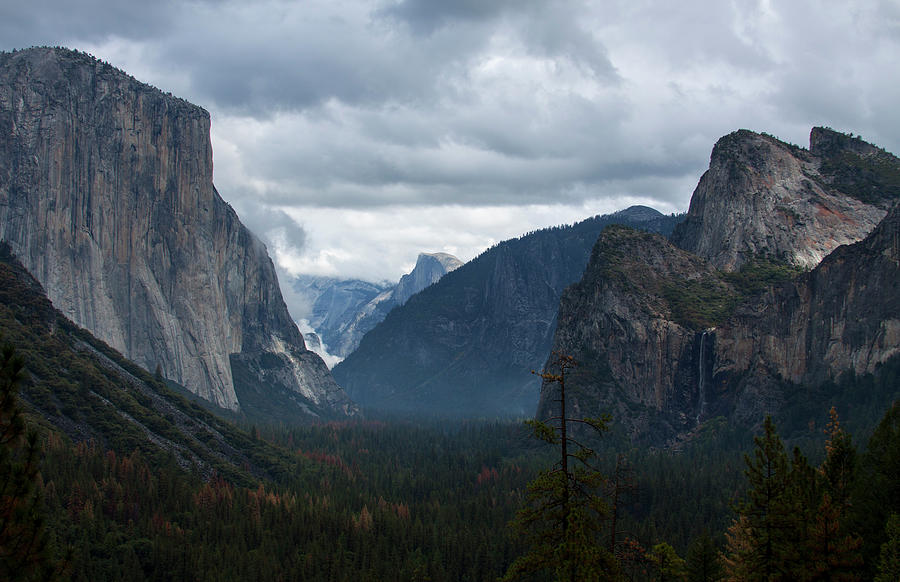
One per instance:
(669, 339)
(466, 345)
(343, 311)
(106, 196)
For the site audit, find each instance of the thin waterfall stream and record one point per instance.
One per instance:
(701, 374)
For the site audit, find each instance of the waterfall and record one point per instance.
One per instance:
(701, 375)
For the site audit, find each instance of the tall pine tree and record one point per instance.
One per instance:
(833, 553)
(767, 542)
(562, 518)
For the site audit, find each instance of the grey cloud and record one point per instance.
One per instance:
(554, 29)
(426, 16)
(309, 57)
(849, 81)
(373, 107)
(272, 226)
(545, 27)
(52, 22)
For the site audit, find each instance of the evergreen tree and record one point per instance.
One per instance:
(889, 561)
(792, 522)
(839, 467)
(24, 550)
(833, 553)
(738, 549)
(670, 567)
(563, 514)
(766, 544)
(702, 562)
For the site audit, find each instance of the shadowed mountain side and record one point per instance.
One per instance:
(467, 344)
(665, 341)
(79, 386)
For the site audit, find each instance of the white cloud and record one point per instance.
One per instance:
(394, 236)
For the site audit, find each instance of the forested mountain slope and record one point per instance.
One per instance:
(83, 388)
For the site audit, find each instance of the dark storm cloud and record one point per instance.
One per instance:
(51, 22)
(425, 16)
(375, 108)
(546, 27)
(258, 59)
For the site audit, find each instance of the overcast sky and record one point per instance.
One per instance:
(351, 135)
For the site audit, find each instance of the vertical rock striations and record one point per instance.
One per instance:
(843, 316)
(106, 196)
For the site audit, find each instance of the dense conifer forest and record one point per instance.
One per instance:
(376, 500)
(108, 475)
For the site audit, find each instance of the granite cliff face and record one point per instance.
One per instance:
(843, 316)
(639, 352)
(336, 307)
(106, 196)
(763, 197)
(467, 344)
(430, 267)
(667, 339)
(343, 311)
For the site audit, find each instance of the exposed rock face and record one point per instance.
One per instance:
(343, 311)
(430, 267)
(619, 323)
(843, 316)
(467, 344)
(106, 196)
(763, 197)
(665, 339)
(336, 306)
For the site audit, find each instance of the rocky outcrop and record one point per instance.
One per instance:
(763, 197)
(430, 267)
(639, 352)
(844, 316)
(467, 344)
(106, 196)
(666, 339)
(343, 311)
